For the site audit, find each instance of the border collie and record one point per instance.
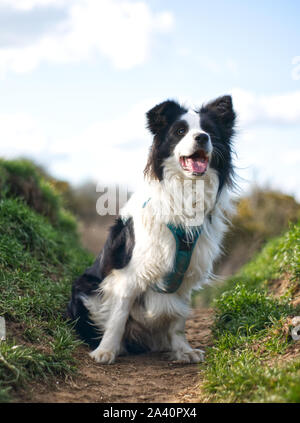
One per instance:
(136, 296)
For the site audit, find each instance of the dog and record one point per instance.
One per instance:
(136, 296)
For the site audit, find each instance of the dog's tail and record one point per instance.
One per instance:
(83, 287)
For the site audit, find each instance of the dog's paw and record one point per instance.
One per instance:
(188, 356)
(103, 356)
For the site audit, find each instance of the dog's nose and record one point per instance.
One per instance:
(201, 138)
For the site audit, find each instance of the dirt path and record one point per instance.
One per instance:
(144, 378)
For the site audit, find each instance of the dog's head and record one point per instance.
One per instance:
(191, 142)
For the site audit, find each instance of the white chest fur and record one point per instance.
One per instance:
(153, 255)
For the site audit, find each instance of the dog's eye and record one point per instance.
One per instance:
(181, 131)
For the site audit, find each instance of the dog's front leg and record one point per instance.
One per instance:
(181, 349)
(110, 344)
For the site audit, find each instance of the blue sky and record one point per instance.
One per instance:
(77, 76)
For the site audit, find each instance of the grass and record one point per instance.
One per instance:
(252, 331)
(40, 255)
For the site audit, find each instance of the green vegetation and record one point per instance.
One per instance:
(252, 329)
(260, 215)
(40, 254)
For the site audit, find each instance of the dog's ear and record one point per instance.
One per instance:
(222, 108)
(160, 117)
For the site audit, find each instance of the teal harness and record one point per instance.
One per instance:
(185, 243)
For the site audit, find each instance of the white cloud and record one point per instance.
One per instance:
(122, 31)
(292, 157)
(282, 109)
(113, 151)
(269, 155)
(267, 139)
(30, 4)
(20, 135)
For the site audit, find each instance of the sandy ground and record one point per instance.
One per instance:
(145, 378)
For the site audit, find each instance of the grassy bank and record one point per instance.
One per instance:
(40, 254)
(254, 358)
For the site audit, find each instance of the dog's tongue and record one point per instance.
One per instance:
(197, 164)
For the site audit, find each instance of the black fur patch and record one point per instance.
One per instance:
(85, 284)
(118, 248)
(160, 118)
(217, 119)
(116, 254)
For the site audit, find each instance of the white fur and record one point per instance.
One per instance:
(160, 321)
(187, 145)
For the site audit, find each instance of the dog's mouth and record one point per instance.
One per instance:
(196, 163)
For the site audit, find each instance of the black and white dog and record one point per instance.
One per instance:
(136, 296)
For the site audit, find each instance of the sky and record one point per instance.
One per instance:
(78, 76)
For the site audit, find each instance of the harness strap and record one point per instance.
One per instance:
(185, 243)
